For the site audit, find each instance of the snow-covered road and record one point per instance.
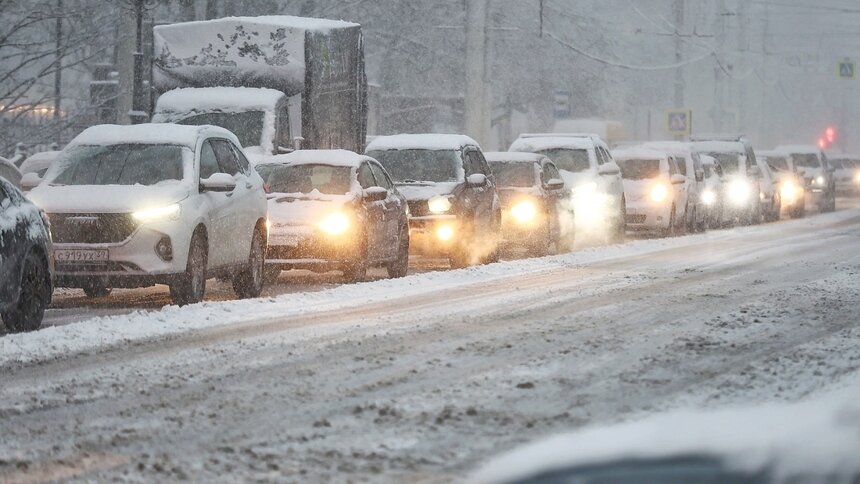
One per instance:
(421, 378)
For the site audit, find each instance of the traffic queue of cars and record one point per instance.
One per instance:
(135, 206)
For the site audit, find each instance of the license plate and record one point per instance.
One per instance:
(81, 255)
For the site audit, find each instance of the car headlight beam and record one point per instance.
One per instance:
(709, 197)
(739, 192)
(335, 223)
(158, 214)
(439, 205)
(524, 211)
(659, 193)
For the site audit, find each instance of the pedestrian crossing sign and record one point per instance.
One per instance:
(847, 69)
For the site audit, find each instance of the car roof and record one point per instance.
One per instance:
(640, 153)
(718, 137)
(318, 157)
(551, 142)
(514, 157)
(811, 436)
(426, 141)
(149, 133)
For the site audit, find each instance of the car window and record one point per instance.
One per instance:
(482, 162)
(227, 161)
(240, 157)
(681, 163)
(379, 174)
(601, 159)
(365, 176)
(550, 172)
(472, 165)
(673, 166)
(208, 162)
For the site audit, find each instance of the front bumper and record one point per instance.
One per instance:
(436, 235)
(303, 247)
(133, 262)
(643, 216)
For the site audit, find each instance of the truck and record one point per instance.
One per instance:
(280, 83)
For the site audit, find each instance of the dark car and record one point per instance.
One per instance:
(334, 210)
(454, 208)
(25, 261)
(533, 195)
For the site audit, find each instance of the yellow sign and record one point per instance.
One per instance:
(847, 69)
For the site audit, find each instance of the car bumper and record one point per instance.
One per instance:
(644, 216)
(435, 235)
(305, 248)
(133, 262)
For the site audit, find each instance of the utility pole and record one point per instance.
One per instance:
(763, 125)
(743, 47)
(476, 116)
(58, 70)
(138, 108)
(678, 9)
(717, 113)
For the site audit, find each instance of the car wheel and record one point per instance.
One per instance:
(671, 229)
(356, 270)
(28, 312)
(271, 275)
(619, 228)
(400, 265)
(542, 246)
(249, 282)
(94, 289)
(190, 287)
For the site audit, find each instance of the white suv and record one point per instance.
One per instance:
(588, 170)
(134, 206)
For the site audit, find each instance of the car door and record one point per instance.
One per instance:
(256, 206)
(553, 197)
(392, 207)
(481, 196)
(239, 216)
(10, 249)
(375, 213)
(217, 204)
(616, 183)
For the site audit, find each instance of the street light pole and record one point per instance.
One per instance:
(477, 119)
(138, 109)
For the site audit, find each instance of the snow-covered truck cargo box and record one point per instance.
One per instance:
(232, 70)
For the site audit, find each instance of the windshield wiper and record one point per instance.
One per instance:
(411, 181)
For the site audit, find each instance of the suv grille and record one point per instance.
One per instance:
(91, 228)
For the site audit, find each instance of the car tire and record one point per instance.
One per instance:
(27, 313)
(399, 267)
(190, 287)
(271, 275)
(356, 269)
(249, 283)
(542, 247)
(460, 256)
(619, 227)
(671, 230)
(96, 289)
(798, 210)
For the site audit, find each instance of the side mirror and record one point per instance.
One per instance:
(608, 169)
(678, 179)
(476, 180)
(375, 194)
(754, 171)
(700, 176)
(554, 184)
(283, 150)
(30, 181)
(219, 182)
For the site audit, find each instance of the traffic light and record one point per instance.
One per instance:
(822, 143)
(830, 134)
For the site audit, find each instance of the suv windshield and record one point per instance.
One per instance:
(806, 160)
(777, 162)
(568, 159)
(728, 161)
(247, 126)
(326, 179)
(639, 169)
(129, 164)
(513, 174)
(420, 165)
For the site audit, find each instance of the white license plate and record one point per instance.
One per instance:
(81, 255)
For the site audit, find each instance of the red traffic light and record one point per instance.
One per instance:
(830, 134)
(822, 143)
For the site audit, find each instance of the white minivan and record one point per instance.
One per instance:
(134, 206)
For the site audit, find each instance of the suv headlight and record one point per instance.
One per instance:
(335, 223)
(819, 180)
(439, 204)
(659, 192)
(158, 214)
(524, 211)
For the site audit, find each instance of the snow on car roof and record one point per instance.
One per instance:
(149, 133)
(808, 437)
(286, 21)
(420, 142)
(323, 157)
(39, 161)
(720, 146)
(638, 153)
(512, 157)
(800, 149)
(773, 153)
(203, 99)
(546, 143)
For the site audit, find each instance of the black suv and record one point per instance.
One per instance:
(25, 261)
(451, 193)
